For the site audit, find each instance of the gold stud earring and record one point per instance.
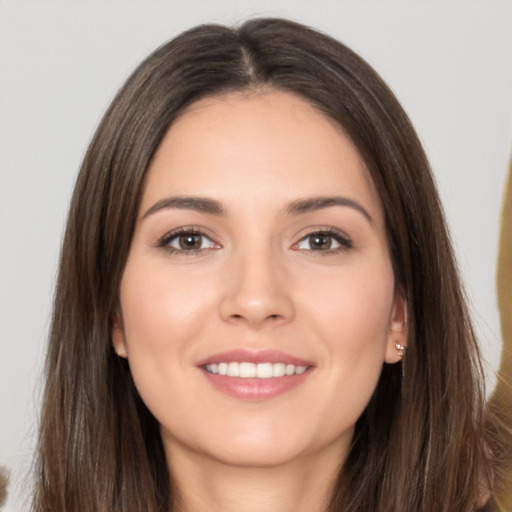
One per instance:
(401, 349)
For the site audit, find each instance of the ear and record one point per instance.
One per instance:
(118, 337)
(398, 330)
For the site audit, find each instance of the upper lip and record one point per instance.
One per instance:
(254, 356)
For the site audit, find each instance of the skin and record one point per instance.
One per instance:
(258, 281)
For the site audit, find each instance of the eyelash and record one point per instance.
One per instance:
(345, 244)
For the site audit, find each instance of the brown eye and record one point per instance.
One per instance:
(319, 242)
(186, 241)
(329, 242)
(190, 241)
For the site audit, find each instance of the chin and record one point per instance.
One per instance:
(261, 444)
(258, 455)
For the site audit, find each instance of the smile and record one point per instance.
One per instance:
(255, 375)
(247, 370)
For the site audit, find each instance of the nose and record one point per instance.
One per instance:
(257, 291)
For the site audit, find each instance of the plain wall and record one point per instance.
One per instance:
(449, 62)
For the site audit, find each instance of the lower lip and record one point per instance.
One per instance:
(253, 388)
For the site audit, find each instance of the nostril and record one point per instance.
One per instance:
(239, 317)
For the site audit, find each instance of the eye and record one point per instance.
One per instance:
(324, 241)
(187, 241)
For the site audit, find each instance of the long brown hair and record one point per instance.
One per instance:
(420, 444)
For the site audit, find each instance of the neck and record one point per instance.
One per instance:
(304, 485)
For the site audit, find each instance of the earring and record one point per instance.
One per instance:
(121, 353)
(401, 349)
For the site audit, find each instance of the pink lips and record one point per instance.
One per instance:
(254, 388)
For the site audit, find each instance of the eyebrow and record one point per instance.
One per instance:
(200, 204)
(301, 206)
(214, 207)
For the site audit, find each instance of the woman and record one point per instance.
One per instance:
(257, 305)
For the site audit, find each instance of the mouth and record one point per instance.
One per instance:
(255, 375)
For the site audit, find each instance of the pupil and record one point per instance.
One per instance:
(320, 242)
(190, 241)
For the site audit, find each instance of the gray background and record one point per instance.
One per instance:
(449, 62)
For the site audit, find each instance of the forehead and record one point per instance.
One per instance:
(267, 144)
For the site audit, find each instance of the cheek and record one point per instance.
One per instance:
(161, 308)
(162, 317)
(352, 317)
(355, 307)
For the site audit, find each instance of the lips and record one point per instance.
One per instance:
(255, 375)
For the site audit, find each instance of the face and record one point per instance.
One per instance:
(258, 301)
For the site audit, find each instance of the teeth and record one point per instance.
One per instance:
(251, 370)
(247, 370)
(278, 370)
(264, 371)
(233, 369)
